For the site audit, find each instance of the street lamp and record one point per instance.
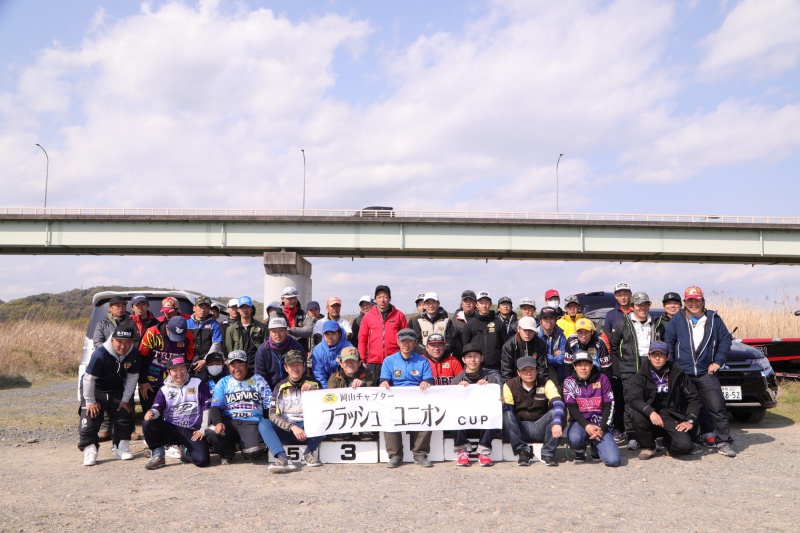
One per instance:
(557, 162)
(304, 178)
(46, 172)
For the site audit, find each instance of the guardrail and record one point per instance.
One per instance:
(453, 215)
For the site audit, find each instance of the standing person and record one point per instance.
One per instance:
(295, 316)
(527, 307)
(526, 343)
(215, 311)
(554, 340)
(572, 306)
(699, 343)
(247, 333)
(207, 334)
(444, 367)
(232, 318)
(473, 374)
(622, 293)
(107, 386)
(590, 401)
(553, 299)
(630, 341)
(407, 369)
(269, 356)
(509, 317)
(488, 330)
(116, 316)
(672, 306)
(325, 357)
(419, 303)
(433, 319)
(313, 317)
(169, 309)
(664, 402)
(161, 343)
(334, 310)
(377, 338)
(364, 305)
(141, 316)
(461, 318)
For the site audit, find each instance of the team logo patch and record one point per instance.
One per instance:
(415, 372)
(127, 365)
(539, 390)
(191, 391)
(596, 385)
(445, 365)
(592, 352)
(491, 327)
(398, 373)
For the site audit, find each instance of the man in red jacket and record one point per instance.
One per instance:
(377, 337)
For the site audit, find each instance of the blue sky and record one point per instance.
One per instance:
(659, 107)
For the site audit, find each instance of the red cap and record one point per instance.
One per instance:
(552, 293)
(334, 300)
(693, 293)
(168, 304)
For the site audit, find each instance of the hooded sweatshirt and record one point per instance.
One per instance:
(185, 406)
(269, 359)
(108, 372)
(324, 358)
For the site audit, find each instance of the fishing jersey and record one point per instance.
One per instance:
(596, 349)
(591, 396)
(157, 350)
(183, 406)
(242, 400)
(445, 370)
(287, 402)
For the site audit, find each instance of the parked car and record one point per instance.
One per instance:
(747, 379)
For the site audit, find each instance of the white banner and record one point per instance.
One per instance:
(332, 411)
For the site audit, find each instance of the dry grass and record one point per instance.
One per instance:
(36, 349)
(753, 321)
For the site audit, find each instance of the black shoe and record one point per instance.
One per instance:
(524, 458)
(549, 460)
(580, 457)
(595, 453)
(185, 455)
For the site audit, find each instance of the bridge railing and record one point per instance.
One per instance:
(382, 214)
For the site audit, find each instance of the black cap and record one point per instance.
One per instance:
(504, 300)
(215, 356)
(671, 297)
(469, 294)
(313, 304)
(116, 300)
(383, 288)
(526, 362)
(471, 347)
(547, 312)
(124, 331)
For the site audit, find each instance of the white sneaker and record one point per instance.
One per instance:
(90, 455)
(123, 451)
(173, 451)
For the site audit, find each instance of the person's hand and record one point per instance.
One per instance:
(464, 384)
(93, 409)
(197, 435)
(557, 431)
(594, 432)
(219, 429)
(655, 418)
(385, 385)
(149, 415)
(424, 385)
(684, 426)
(144, 390)
(712, 368)
(126, 406)
(356, 383)
(199, 365)
(482, 382)
(308, 386)
(299, 433)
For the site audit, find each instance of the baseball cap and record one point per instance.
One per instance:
(289, 292)
(275, 304)
(484, 294)
(294, 356)
(124, 332)
(640, 298)
(435, 338)
(245, 300)
(383, 288)
(176, 361)
(658, 346)
(313, 304)
(237, 355)
(213, 357)
(693, 293)
(334, 300)
(471, 347)
(349, 354)
(547, 311)
(168, 304)
(277, 322)
(430, 296)
(176, 329)
(202, 300)
(584, 323)
(116, 300)
(622, 286)
(406, 334)
(527, 301)
(552, 293)
(527, 322)
(233, 302)
(420, 297)
(504, 300)
(571, 299)
(671, 297)
(139, 298)
(468, 294)
(581, 356)
(366, 299)
(526, 362)
(328, 326)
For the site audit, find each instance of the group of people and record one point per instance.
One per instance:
(208, 385)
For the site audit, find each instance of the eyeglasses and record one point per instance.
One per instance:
(658, 355)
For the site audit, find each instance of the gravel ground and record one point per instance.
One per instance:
(755, 491)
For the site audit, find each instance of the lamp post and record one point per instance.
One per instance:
(304, 178)
(46, 172)
(557, 162)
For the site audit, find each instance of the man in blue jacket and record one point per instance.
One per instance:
(699, 343)
(324, 358)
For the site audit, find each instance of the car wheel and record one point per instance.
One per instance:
(756, 415)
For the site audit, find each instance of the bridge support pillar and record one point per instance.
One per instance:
(286, 269)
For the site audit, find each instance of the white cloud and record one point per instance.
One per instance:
(758, 37)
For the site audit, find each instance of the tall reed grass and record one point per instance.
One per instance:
(33, 348)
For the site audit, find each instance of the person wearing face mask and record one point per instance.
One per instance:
(553, 299)
(215, 363)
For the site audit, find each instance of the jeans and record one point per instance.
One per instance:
(521, 432)
(159, 433)
(606, 447)
(460, 440)
(274, 437)
(713, 413)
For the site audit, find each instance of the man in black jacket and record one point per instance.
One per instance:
(524, 343)
(488, 331)
(664, 402)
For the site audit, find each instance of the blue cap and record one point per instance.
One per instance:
(176, 329)
(330, 325)
(658, 346)
(245, 300)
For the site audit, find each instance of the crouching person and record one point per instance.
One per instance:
(532, 412)
(473, 374)
(664, 403)
(179, 411)
(590, 400)
(351, 372)
(107, 387)
(285, 422)
(237, 406)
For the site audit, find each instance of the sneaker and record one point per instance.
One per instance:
(281, 466)
(633, 444)
(173, 452)
(580, 457)
(185, 455)
(646, 454)
(709, 441)
(311, 460)
(549, 460)
(463, 458)
(726, 449)
(485, 459)
(90, 455)
(394, 461)
(659, 444)
(136, 436)
(595, 453)
(423, 461)
(524, 458)
(619, 437)
(224, 461)
(697, 449)
(155, 462)
(123, 451)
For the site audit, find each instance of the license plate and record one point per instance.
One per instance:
(732, 393)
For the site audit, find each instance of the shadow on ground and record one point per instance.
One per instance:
(14, 382)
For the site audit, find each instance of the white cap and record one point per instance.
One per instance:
(365, 298)
(277, 322)
(527, 301)
(431, 296)
(289, 292)
(527, 322)
(233, 302)
(622, 286)
(483, 294)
